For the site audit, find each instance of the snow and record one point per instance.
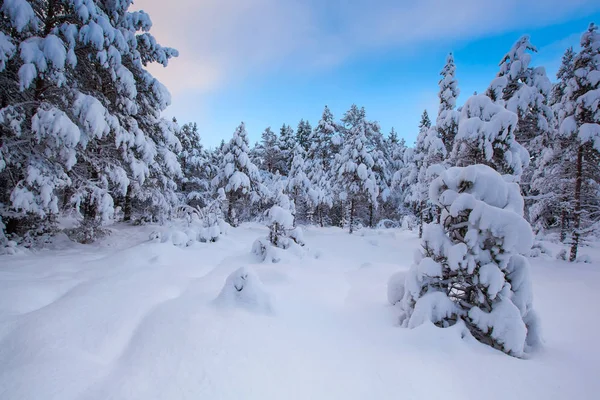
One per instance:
(243, 288)
(127, 318)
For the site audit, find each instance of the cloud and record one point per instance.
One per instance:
(223, 42)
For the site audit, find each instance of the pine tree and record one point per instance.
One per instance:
(321, 148)
(355, 164)
(195, 181)
(553, 179)
(564, 74)
(473, 268)
(298, 183)
(447, 118)
(287, 143)
(82, 112)
(429, 150)
(303, 134)
(486, 136)
(269, 152)
(319, 160)
(238, 176)
(525, 90)
(581, 126)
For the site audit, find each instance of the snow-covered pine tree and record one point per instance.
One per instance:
(524, 90)
(303, 134)
(553, 180)
(565, 72)
(447, 118)
(473, 268)
(486, 136)
(238, 176)
(319, 159)
(396, 148)
(414, 176)
(287, 143)
(581, 126)
(195, 181)
(268, 151)
(298, 184)
(321, 147)
(355, 164)
(81, 111)
(320, 194)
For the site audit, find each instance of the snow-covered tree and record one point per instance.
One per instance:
(81, 112)
(473, 268)
(486, 135)
(195, 181)
(581, 126)
(447, 118)
(418, 172)
(287, 143)
(320, 194)
(303, 134)
(355, 163)
(298, 183)
(319, 160)
(396, 149)
(525, 90)
(268, 151)
(238, 176)
(553, 179)
(565, 72)
(320, 146)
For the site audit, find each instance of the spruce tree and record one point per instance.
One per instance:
(303, 134)
(298, 183)
(473, 267)
(581, 127)
(238, 176)
(81, 111)
(355, 164)
(486, 135)
(525, 91)
(447, 118)
(287, 143)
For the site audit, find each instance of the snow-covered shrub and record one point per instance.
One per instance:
(562, 255)
(243, 288)
(538, 249)
(297, 235)
(395, 287)
(472, 266)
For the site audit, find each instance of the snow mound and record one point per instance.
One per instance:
(395, 287)
(244, 289)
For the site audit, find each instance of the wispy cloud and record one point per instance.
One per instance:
(224, 41)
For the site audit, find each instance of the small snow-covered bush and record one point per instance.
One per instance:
(472, 266)
(297, 235)
(282, 234)
(243, 288)
(538, 249)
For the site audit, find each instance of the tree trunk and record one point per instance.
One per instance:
(371, 215)
(421, 210)
(127, 206)
(230, 210)
(563, 225)
(342, 213)
(352, 215)
(577, 213)
(320, 215)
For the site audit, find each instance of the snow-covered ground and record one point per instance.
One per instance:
(133, 319)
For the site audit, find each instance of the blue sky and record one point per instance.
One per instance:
(269, 62)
